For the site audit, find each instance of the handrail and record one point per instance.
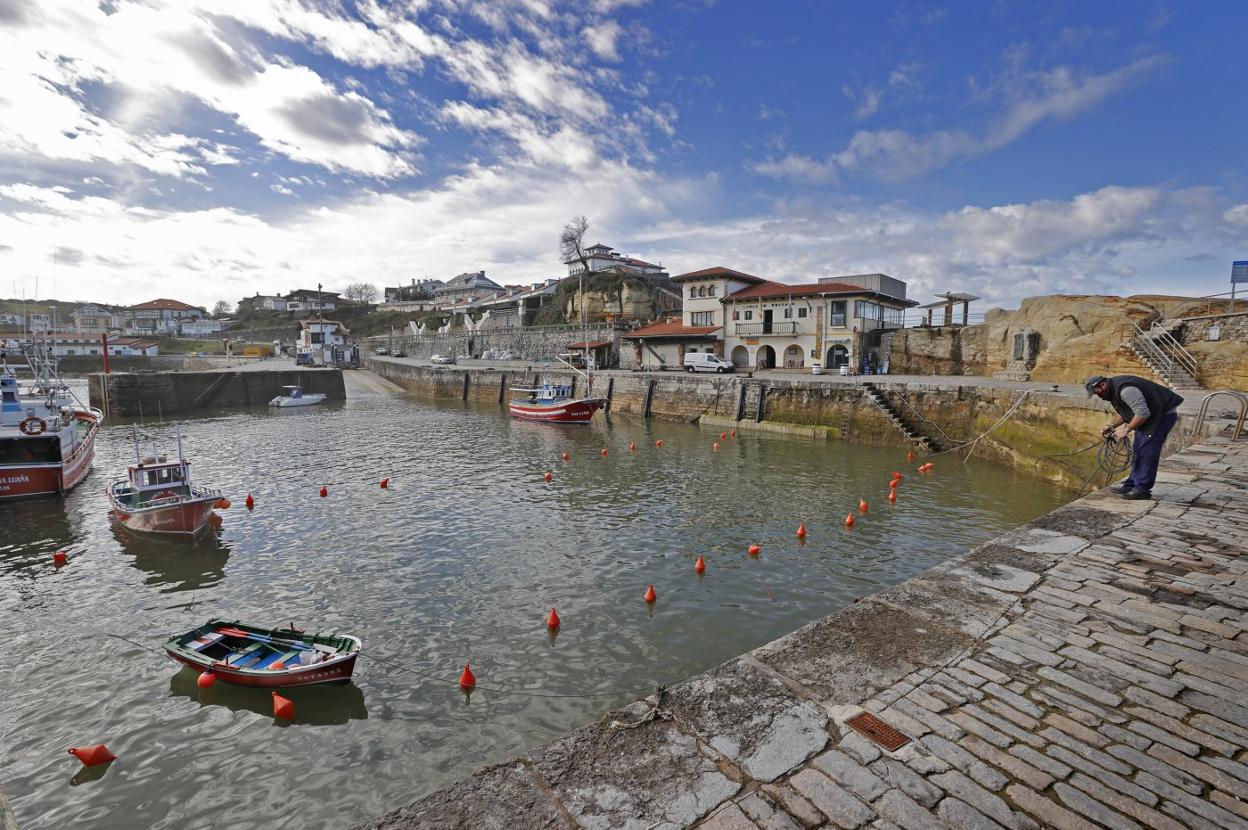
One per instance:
(1239, 421)
(1168, 358)
(920, 416)
(1159, 332)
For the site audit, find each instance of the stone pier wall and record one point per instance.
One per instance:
(171, 393)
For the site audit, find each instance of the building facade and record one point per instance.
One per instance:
(308, 300)
(470, 286)
(328, 341)
(161, 317)
(601, 257)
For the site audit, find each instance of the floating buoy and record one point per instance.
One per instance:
(206, 679)
(910, 455)
(632, 446)
(604, 453)
(552, 621)
(755, 550)
(849, 520)
(93, 755)
(892, 485)
(549, 476)
(700, 565)
(283, 707)
(565, 456)
(324, 492)
(60, 558)
(385, 484)
(733, 433)
(896, 475)
(214, 520)
(467, 680)
(659, 443)
(723, 436)
(801, 530)
(250, 502)
(892, 496)
(862, 505)
(715, 446)
(223, 503)
(651, 596)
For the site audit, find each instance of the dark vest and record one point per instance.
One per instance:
(1160, 400)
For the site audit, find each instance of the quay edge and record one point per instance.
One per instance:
(123, 394)
(1084, 669)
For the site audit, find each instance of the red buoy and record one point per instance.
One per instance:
(892, 485)
(862, 505)
(549, 476)
(801, 530)
(385, 484)
(849, 520)
(700, 565)
(552, 620)
(93, 755)
(733, 433)
(324, 491)
(250, 502)
(651, 596)
(659, 443)
(604, 452)
(214, 520)
(723, 436)
(283, 707)
(755, 550)
(910, 455)
(892, 496)
(565, 456)
(632, 446)
(896, 475)
(715, 446)
(60, 558)
(467, 680)
(206, 679)
(223, 504)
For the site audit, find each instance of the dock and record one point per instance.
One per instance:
(1088, 669)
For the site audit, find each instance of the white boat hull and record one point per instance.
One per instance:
(306, 400)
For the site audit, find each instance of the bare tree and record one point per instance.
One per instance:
(572, 247)
(222, 308)
(361, 292)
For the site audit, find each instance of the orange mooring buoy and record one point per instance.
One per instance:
(755, 550)
(549, 476)
(93, 755)
(715, 446)
(467, 680)
(892, 485)
(892, 496)
(723, 436)
(659, 443)
(733, 433)
(552, 622)
(385, 484)
(324, 491)
(632, 446)
(60, 558)
(565, 456)
(222, 504)
(250, 502)
(801, 530)
(206, 679)
(651, 596)
(862, 505)
(849, 520)
(896, 475)
(604, 452)
(700, 565)
(910, 455)
(214, 520)
(283, 707)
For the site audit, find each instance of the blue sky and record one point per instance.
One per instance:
(205, 149)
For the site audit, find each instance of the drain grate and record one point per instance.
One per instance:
(877, 731)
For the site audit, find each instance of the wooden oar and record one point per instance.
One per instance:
(263, 638)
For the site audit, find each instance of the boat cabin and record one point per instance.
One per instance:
(546, 392)
(293, 392)
(155, 478)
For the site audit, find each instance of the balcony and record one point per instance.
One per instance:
(755, 329)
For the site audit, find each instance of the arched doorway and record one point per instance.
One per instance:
(793, 357)
(740, 357)
(838, 356)
(766, 358)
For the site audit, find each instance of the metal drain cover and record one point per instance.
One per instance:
(877, 731)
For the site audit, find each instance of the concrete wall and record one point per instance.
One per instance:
(530, 343)
(169, 393)
(85, 364)
(1223, 363)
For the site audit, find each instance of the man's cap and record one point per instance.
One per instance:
(1089, 385)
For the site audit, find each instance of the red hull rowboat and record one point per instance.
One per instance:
(158, 497)
(266, 658)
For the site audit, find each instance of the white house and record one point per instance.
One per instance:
(72, 345)
(835, 321)
(97, 319)
(469, 286)
(701, 327)
(160, 317)
(199, 327)
(306, 300)
(326, 340)
(601, 257)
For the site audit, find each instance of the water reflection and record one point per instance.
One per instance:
(174, 565)
(320, 705)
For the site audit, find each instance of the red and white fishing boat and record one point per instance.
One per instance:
(47, 437)
(158, 497)
(269, 658)
(554, 403)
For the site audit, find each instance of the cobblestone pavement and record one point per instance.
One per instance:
(1089, 669)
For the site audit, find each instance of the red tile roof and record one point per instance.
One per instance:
(769, 288)
(718, 271)
(597, 344)
(164, 305)
(671, 330)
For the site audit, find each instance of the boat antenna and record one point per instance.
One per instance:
(134, 434)
(181, 457)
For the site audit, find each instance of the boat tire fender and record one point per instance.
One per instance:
(33, 425)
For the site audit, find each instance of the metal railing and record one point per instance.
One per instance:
(1239, 421)
(1172, 356)
(924, 420)
(765, 328)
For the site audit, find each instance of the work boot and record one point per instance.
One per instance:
(1122, 488)
(1136, 494)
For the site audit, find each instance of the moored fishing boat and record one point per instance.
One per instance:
(554, 403)
(157, 496)
(270, 658)
(295, 396)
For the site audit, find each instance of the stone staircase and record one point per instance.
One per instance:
(906, 428)
(1161, 351)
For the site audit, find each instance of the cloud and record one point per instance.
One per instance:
(867, 100)
(1030, 98)
(603, 39)
(1237, 215)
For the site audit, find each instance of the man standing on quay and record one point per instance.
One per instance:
(1148, 409)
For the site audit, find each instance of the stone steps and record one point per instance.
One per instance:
(876, 397)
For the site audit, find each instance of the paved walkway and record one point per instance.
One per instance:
(1089, 669)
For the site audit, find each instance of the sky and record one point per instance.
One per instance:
(212, 149)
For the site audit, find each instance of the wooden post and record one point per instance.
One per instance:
(502, 387)
(762, 403)
(610, 391)
(104, 337)
(574, 386)
(465, 396)
(741, 401)
(649, 399)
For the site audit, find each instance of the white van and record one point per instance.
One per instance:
(707, 362)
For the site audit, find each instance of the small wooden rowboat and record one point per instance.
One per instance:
(270, 658)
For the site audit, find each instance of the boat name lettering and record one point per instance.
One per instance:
(21, 479)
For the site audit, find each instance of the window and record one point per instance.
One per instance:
(710, 291)
(702, 318)
(693, 292)
(749, 315)
(837, 317)
(801, 312)
(736, 315)
(788, 313)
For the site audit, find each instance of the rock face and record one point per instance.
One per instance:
(1223, 362)
(937, 350)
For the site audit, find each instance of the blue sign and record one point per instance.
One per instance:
(1239, 271)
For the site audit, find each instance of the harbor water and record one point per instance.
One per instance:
(458, 561)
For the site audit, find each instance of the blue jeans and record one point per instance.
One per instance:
(1146, 453)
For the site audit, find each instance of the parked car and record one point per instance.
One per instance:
(508, 355)
(707, 362)
(398, 353)
(441, 359)
(816, 368)
(303, 359)
(381, 350)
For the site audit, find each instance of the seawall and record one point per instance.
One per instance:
(1038, 436)
(170, 393)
